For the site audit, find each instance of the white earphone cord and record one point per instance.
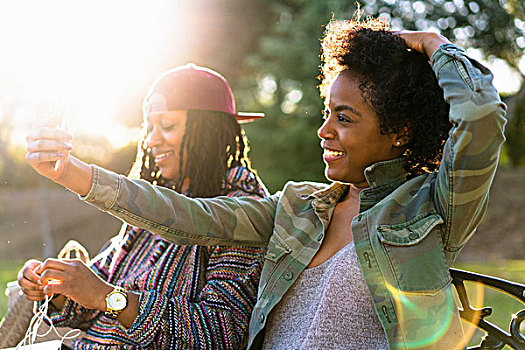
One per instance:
(39, 317)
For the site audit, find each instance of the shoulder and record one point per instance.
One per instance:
(304, 187)
(245, 182)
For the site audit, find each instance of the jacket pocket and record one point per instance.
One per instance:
(415, 252)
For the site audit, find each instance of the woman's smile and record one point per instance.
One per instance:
(330, 155)
(161, 157)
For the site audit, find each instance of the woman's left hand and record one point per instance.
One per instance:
(425, 42)
(73, 279)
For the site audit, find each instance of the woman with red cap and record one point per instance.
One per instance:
(142, 291)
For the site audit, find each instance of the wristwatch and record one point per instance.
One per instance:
(116, 301)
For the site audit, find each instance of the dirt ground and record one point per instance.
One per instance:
(25, 214)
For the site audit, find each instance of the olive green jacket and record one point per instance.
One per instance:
(407, 233)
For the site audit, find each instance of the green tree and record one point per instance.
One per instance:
(515, 132)
(283, 69)
(283, 82)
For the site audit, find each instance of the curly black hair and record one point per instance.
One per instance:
(397, 82)
(213, 143)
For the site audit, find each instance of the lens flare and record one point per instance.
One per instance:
(432, 317)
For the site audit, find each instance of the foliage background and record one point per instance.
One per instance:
(269, 51)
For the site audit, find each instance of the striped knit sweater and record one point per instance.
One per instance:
(191, 297)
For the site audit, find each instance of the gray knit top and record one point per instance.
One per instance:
(328, 307)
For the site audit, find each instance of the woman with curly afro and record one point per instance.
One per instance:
(411, 149)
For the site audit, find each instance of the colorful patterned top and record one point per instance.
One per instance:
(407, 233)
(190, 296)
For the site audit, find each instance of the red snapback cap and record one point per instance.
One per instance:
(194, 87)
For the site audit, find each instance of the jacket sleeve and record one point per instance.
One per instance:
(186, 221)
(219, 319)
(471, 153)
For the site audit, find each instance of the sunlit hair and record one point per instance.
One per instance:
(397, 82)
(213, 143)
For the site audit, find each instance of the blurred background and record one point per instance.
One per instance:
(95, 60)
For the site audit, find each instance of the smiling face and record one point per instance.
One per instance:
(165, 132)
(351, 137)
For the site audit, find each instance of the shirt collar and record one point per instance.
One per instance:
(377, 175)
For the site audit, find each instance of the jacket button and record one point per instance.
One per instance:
(288, 276)
(261, 318)
(320, 237)
(413, 235)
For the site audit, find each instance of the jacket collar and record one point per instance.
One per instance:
(382, 177)
(386, 172)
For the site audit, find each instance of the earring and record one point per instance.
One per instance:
(397, 143)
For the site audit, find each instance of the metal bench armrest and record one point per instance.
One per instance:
(495, 338)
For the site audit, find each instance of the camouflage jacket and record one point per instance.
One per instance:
(407, 233)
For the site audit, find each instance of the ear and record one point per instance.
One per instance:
(401, 138)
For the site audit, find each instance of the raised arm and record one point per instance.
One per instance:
(216, 221)
(471, 153)
(186, 221)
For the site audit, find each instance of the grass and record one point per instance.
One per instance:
(8, 272)
(503, 305)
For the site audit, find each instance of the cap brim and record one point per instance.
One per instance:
(248, 117)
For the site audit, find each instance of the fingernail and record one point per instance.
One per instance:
(59, 154)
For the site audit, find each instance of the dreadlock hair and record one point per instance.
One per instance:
(212, 144)
(397, 82)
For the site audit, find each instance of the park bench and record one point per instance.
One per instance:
(495, 338)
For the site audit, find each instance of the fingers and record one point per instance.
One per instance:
(425, 42)
(56, 264)
(58, 276)
(414, 40)
(28, 271)
(29, 281)
(44, 157)
(51, 276)
(54, 281)
(34, 295)
(47, 144)
(73, 279)
(55, 275)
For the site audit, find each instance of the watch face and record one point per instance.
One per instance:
(117, 301)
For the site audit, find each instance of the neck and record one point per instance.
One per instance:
(353, 192)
